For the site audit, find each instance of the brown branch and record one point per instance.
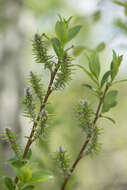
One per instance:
(49, 91)
(86, 141)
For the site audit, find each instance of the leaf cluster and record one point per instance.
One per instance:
(27, 173)
(106, 80)
(64, 32)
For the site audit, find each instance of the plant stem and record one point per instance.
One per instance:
(66, 179)
(49, 91)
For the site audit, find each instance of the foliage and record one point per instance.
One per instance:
(36, 99)
(35, 104)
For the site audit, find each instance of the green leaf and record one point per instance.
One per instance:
(107, 107)
(24, 174)
(121, 3)
(29, 154)
(16, 163)
(105, 78)
(64, 34)
(28, 187)
(121, 24)
(94, 64)
(68, 20)
(40, 176)
(91, 88)
(109, 118)
(100, 47)
(56, 46)
(73, 32)
(88, 73)
(61, 29)
(125, 11)
(9, 183)
(115, 64)
(13, 159)
(96, 15)
(119, 81)
(78, 50)
(109, 101)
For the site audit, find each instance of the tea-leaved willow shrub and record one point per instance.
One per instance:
(36, 98)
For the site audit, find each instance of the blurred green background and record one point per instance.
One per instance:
(102, 20)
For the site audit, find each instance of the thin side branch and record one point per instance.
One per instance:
(86, 141)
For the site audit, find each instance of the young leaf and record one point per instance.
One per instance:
(25, 174)
(68, 20)
(28, 187)
(88, 73)
(40, 176)
(105, 78)
(100, 47)
(16, 163)
(56, 46)
(94, 64)
(73, 32)
(115, 64)
(119, 81)
(96, 15)
(121, 24)
(61, 30)
(109, 118)
(90, 87)
(13, 159)
(109, 101)
(121, 3)
(78, 50)
(29, 154)
(9, 183)
(125, 11)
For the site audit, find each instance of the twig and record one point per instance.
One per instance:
(86, 141)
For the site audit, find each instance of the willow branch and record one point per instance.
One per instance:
(49, 91)
(66, 179)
